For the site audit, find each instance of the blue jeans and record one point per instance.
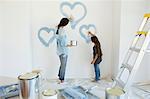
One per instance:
(63, 63)
(97, 72)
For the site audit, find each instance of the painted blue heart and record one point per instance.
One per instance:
(72, 6)
(48, 30)
(86, 27)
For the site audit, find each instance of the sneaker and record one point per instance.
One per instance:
(95, 80)
(61, 81)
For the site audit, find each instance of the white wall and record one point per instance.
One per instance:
(148, 56)
(116, 34)
(79, 66)
(0, 35)
(21, 19)
(15, 38)
(116, 21)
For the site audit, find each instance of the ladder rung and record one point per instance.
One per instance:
(135, 49)
(147, 15)
(129, 67)
(148, 51)
(142, 32)
(138, 50)
(120, 82)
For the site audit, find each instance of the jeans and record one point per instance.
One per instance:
(63, 63)
(97, 72)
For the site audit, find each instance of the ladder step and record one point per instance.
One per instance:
(142, 33)
(138, 50)
(147, 15)
(135, 49)
(129, 67)
(148, 51)
(120, 82)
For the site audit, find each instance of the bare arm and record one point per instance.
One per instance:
(94, 59)
(89, 33)
(69, 45)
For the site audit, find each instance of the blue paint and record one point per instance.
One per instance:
(72, 6)
(48, 30)
(87, 27)
(79, 89)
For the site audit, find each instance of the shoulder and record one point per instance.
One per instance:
(62, 30)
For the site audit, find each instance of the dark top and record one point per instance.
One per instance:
(97, 50)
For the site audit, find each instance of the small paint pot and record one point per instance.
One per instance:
(114, 93)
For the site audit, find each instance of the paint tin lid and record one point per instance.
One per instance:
(73, 42)
(115, 91)
(28, 76)
(49, 92)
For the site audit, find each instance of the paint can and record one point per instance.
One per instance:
(73, 42)
(49, 94)
(39, 73)
(29, 86)
(114, 93)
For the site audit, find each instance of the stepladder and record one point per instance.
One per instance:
(134, 56)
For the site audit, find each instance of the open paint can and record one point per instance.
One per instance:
(39, 73)
(49, 94)
(29, 86)
(114, 93)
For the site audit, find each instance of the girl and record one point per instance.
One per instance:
(62, 47)
(97, 56)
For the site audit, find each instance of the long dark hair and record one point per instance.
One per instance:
(63, 22)
(95, 40)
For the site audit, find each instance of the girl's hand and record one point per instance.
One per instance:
(89, 33)
(92, 62)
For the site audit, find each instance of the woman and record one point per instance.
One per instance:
(62, 47)
(97, 57)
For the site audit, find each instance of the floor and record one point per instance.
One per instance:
(99, 90)
(99, 87)
(136, 92)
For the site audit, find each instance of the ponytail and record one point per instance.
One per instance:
(63, 22)
(57, 30)
(95, 40)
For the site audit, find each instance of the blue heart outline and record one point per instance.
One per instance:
(73, 23)
(87, 38)
(48, 30)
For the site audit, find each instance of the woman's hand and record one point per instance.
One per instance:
(71, 18)
(69, 45)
